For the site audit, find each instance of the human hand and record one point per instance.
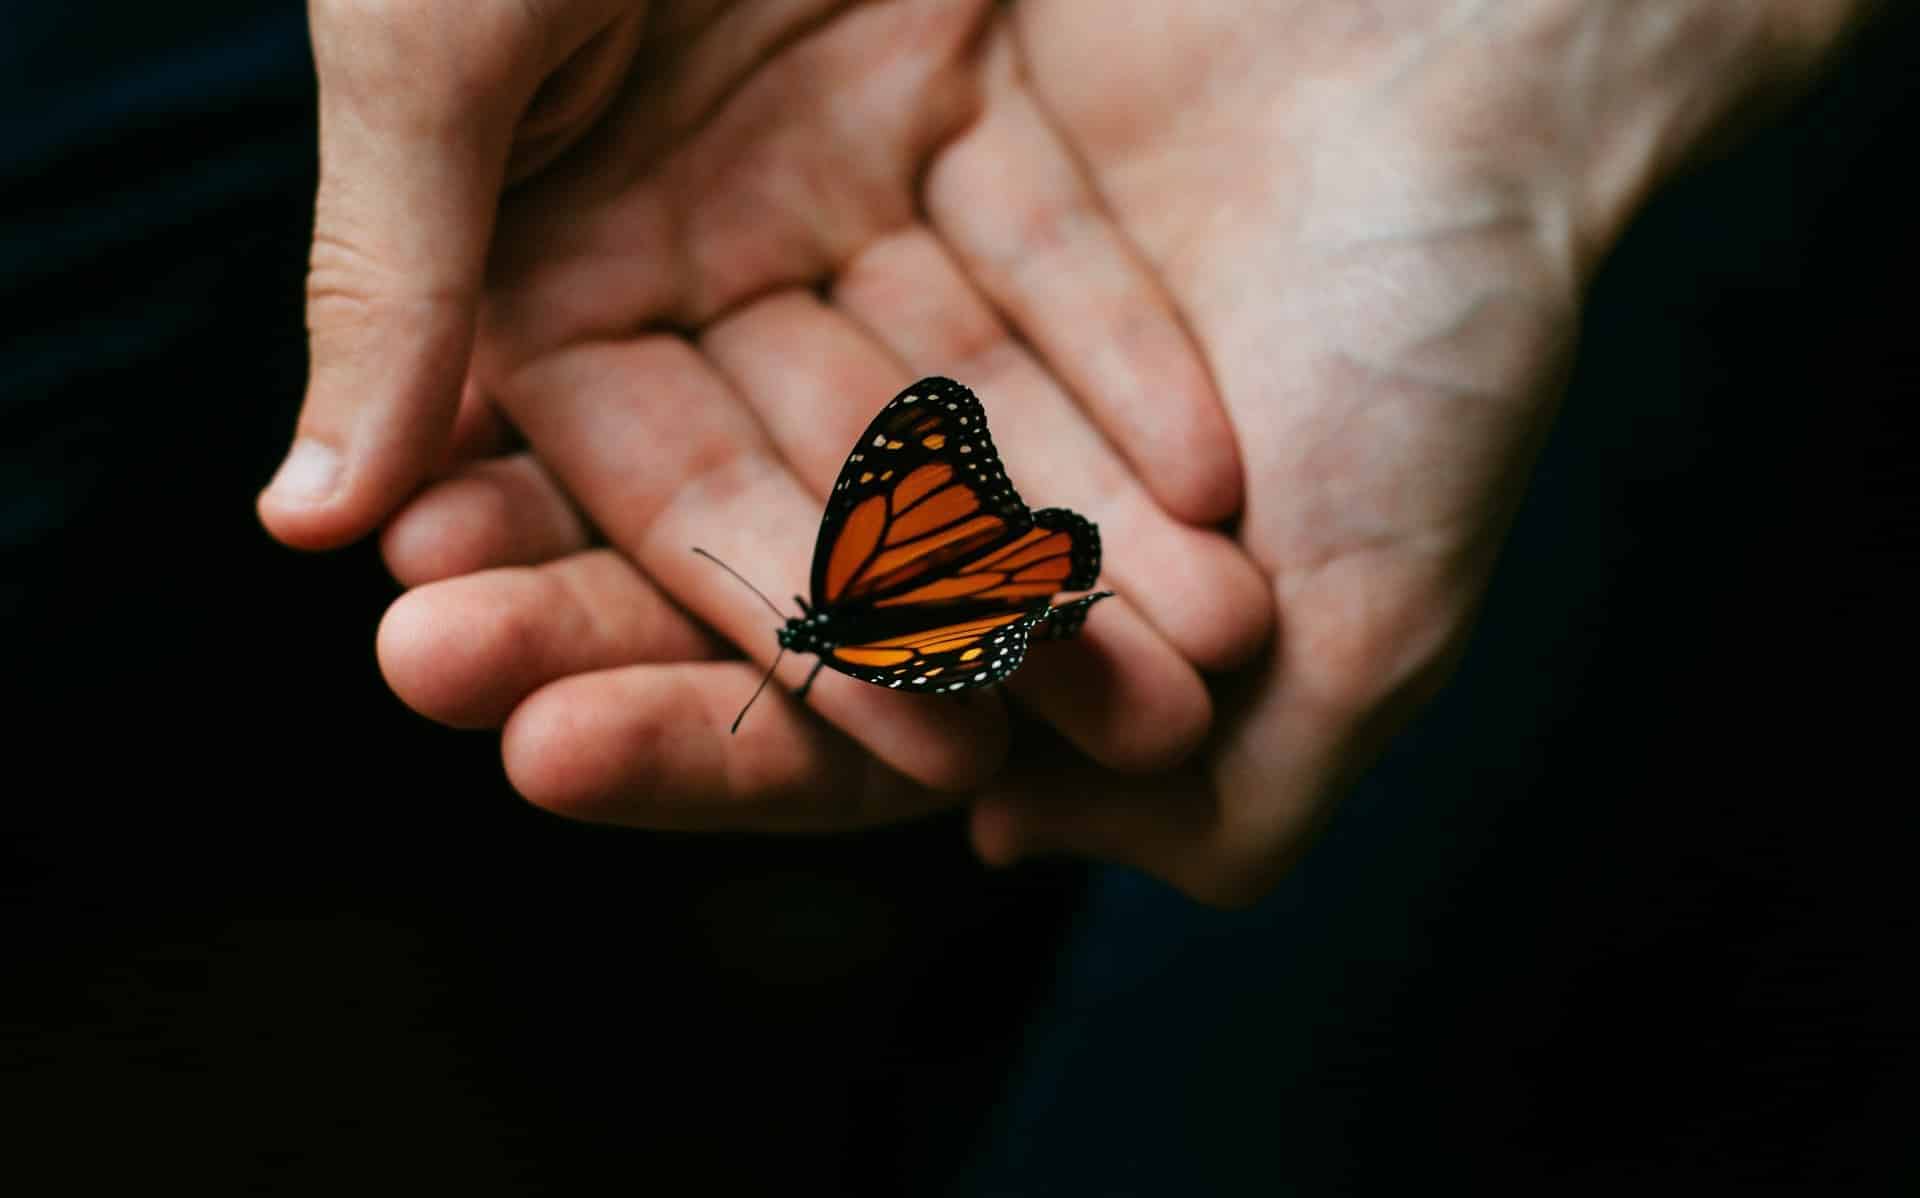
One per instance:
(1376, 235)
(427, 111)
(762, 188)
(1377, 222)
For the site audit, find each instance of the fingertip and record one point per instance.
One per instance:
(379, 412)
(325, 496)
(309, 476)
(300, 504)
(396, 646)
(994, 833)
(1174, 721)
(1167, 419)
(1164, 712)
(426, 647)
(1024, 821)
(1225, 622)
(1193, 469)
(554, 760)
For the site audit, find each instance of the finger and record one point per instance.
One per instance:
(467, 650)
(1193, 585)
(1118, 692)
(495, 512)
(1122, 694)
(662, 457)
(418, 105)
(649, 746)
(813, 378)
(1029, 230)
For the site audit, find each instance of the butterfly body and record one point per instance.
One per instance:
(930, 574)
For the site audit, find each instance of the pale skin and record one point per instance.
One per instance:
(1278, 294)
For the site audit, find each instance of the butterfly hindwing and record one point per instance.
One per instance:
(1061, 552)
(962, 651)
(1063, 622)
(955, 654)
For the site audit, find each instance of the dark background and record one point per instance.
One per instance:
(1630, 905)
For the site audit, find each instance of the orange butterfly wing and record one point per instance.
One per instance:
(933, 572)
(959, 656)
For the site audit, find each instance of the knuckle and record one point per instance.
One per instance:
(513, 629)
(351, 278)
(1194, 468)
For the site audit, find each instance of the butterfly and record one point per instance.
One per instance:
(930, 574)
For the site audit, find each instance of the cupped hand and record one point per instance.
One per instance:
(780, 219)
(1312, 264)
(1376, 221)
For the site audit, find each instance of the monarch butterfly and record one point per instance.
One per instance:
(929, 573)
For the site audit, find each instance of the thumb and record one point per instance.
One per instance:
(418, 104)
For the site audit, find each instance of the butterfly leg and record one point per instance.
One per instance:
(800, 692)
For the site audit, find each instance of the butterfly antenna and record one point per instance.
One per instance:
(756, 590)
(757, 689)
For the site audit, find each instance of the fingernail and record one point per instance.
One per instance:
(310, 473)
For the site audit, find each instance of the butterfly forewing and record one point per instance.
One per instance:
(930, 571)
(922, 490)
